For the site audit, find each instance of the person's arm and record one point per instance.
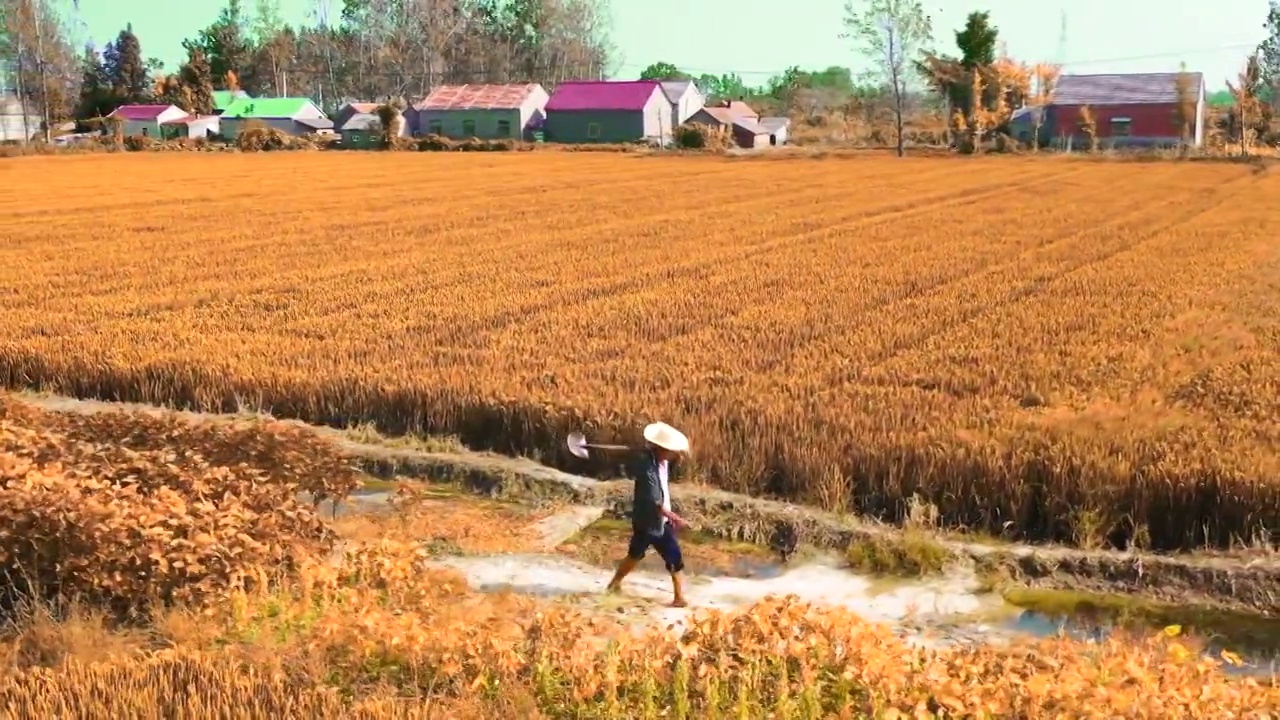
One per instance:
(655, 493)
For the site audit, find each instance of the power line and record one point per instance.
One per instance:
(1086, 61)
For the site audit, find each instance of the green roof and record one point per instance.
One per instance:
(223, 98)
(265, 107)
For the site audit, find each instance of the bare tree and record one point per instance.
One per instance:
(1248, 107)
(1184, 112)
(892, 34)
(1045, 77)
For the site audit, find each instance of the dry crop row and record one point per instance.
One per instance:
(382, 634)
(124, 510)
(1056, 350)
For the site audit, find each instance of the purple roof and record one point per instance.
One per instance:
(1123, 89)
(602, 95)
(140, 112)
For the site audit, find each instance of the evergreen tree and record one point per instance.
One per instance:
(977, 41)
(225, 43)
(197, 78)
(96, 96)
(126, 70)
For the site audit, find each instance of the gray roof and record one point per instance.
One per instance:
(316, 123)
(361, 121)
(673, 89)
(1122, 89)
(774, 124)
(751, 126)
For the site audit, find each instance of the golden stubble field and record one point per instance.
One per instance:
(1067, 350)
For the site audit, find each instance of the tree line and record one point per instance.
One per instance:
(371, 50)
(391, 50)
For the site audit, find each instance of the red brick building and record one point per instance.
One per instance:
(1139, 109)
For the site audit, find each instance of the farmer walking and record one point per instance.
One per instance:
(653, 524)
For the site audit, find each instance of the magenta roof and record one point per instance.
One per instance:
(602, 95)
(139, 112)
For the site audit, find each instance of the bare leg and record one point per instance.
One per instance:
(624, 568)
(677, 584)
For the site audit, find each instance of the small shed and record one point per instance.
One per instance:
(363, 131)
(350, 110)
(17, 122)
(191, 126)
(488, 112)
(685, 97)
(747, 131)
(608, 112)
(146, 119)
(778, 128)
(1133, 109)
(295, 116)
(222, 99)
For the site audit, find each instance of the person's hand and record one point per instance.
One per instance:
(678, 522)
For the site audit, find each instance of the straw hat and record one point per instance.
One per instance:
(665, 436)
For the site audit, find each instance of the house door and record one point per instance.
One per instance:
(773, 139)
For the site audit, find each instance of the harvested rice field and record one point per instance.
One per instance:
(1075, 351)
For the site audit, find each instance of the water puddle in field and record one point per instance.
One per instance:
(933, 612)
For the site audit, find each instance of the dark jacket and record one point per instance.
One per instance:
(646, 512)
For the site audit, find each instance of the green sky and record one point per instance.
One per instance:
(758, 38)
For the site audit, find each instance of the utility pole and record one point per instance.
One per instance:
(36, 21)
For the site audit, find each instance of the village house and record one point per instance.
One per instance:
(17, 122)
(222, 99)
(685, 97)
(364, 130)
(295, 116)
(350, 110)
(145, 119)
(191, 126)
(742, 122)
(1129, 110)
(487, 112)
(609, 112)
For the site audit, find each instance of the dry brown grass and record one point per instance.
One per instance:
(380, 633)
(1018, 342)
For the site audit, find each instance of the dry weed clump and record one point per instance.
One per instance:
(257, 138)
(697, 136)
(128, 510)
(379, 632)
(1032, 353)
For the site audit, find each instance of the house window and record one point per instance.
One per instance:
(504, 128)
(469, 128)
(1121, 127)
(435, 127)
(593, 131)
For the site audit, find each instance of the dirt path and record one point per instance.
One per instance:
(1244, 582)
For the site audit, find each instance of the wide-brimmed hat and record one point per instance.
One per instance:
(666, 437)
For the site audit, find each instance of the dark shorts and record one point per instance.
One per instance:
(665, 544)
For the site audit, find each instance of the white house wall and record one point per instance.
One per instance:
(690, 102)
(533, 109)
(658, 116)
(13, 127)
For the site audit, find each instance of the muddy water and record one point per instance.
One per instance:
(931, 612)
